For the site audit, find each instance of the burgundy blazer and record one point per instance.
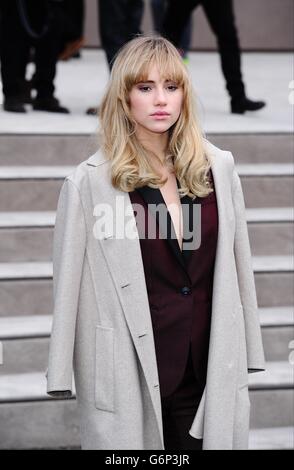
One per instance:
(179, 285)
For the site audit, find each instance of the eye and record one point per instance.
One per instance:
(144, 88)
(172, 87)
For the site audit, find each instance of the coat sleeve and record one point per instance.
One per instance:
(69, 243)
(242, 251)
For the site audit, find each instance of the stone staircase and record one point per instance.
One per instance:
(32, 169)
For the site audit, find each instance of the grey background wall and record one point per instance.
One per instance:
(262, 24)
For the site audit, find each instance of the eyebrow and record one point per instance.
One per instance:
(151, 81)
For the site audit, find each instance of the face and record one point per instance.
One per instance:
(155, 104)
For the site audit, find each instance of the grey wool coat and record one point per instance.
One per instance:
(102, 328)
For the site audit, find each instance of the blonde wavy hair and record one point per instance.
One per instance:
(131, 165)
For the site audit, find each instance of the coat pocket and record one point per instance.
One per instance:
(104, 368)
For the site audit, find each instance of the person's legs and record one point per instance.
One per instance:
(71, 37)
(176, 19)
(46, 56)
(158, 11)
(135, 15)
(75, 12)
(14, 50)
(176, 433)
(119, 21)
(158, 8)
(222, 21)
(46, 53)
(178, 412)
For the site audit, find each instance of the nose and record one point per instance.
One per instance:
(160, 96)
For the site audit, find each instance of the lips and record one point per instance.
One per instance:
(160, 113)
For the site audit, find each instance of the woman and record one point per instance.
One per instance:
(162, 329)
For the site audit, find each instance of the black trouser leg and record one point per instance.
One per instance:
(176, 19)
(14, 50)
(158, 11)
(179, 410)
(46, 56)
(119, 22)
(71, 20)
(47, 49)
(220, 15)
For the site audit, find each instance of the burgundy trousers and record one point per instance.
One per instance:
(178, 412)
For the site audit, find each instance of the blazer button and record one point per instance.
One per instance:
(185, 290)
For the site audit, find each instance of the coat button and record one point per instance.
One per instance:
(185, 290)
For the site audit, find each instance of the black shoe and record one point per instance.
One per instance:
(244, 104)
(50, 105)
(14, 105)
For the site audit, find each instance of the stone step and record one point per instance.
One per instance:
(28, 236)
(278, 375)
(271, 238)
(71, 149)
(268, 264)
(25, 339)
(257, 147)
(271, 405)
(43, 270)
(37, 188)
(276, 438)
(39, 326)
(25, 327)
(272, 395)
(57, 172)
(26, 297)
(32, 386)
(277, 327)
(26, 288)
(50, 424)
(30, 219)
(44, 219)
(54, 425)
(274, 317)
(25, 342)
(27, 355)
(25, 271)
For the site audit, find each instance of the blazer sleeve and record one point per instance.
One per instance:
(242, 251)
(69, 244)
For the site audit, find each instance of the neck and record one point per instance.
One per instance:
(155, 143)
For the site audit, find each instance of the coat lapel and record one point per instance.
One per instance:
(124, 259)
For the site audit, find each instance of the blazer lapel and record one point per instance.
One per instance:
(153, 197)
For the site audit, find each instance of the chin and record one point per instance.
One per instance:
(160, 129)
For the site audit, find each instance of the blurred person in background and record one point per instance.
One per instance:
(119, 22)
(220, 15)
(26, 25)
(158, 9)
(72, 40)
